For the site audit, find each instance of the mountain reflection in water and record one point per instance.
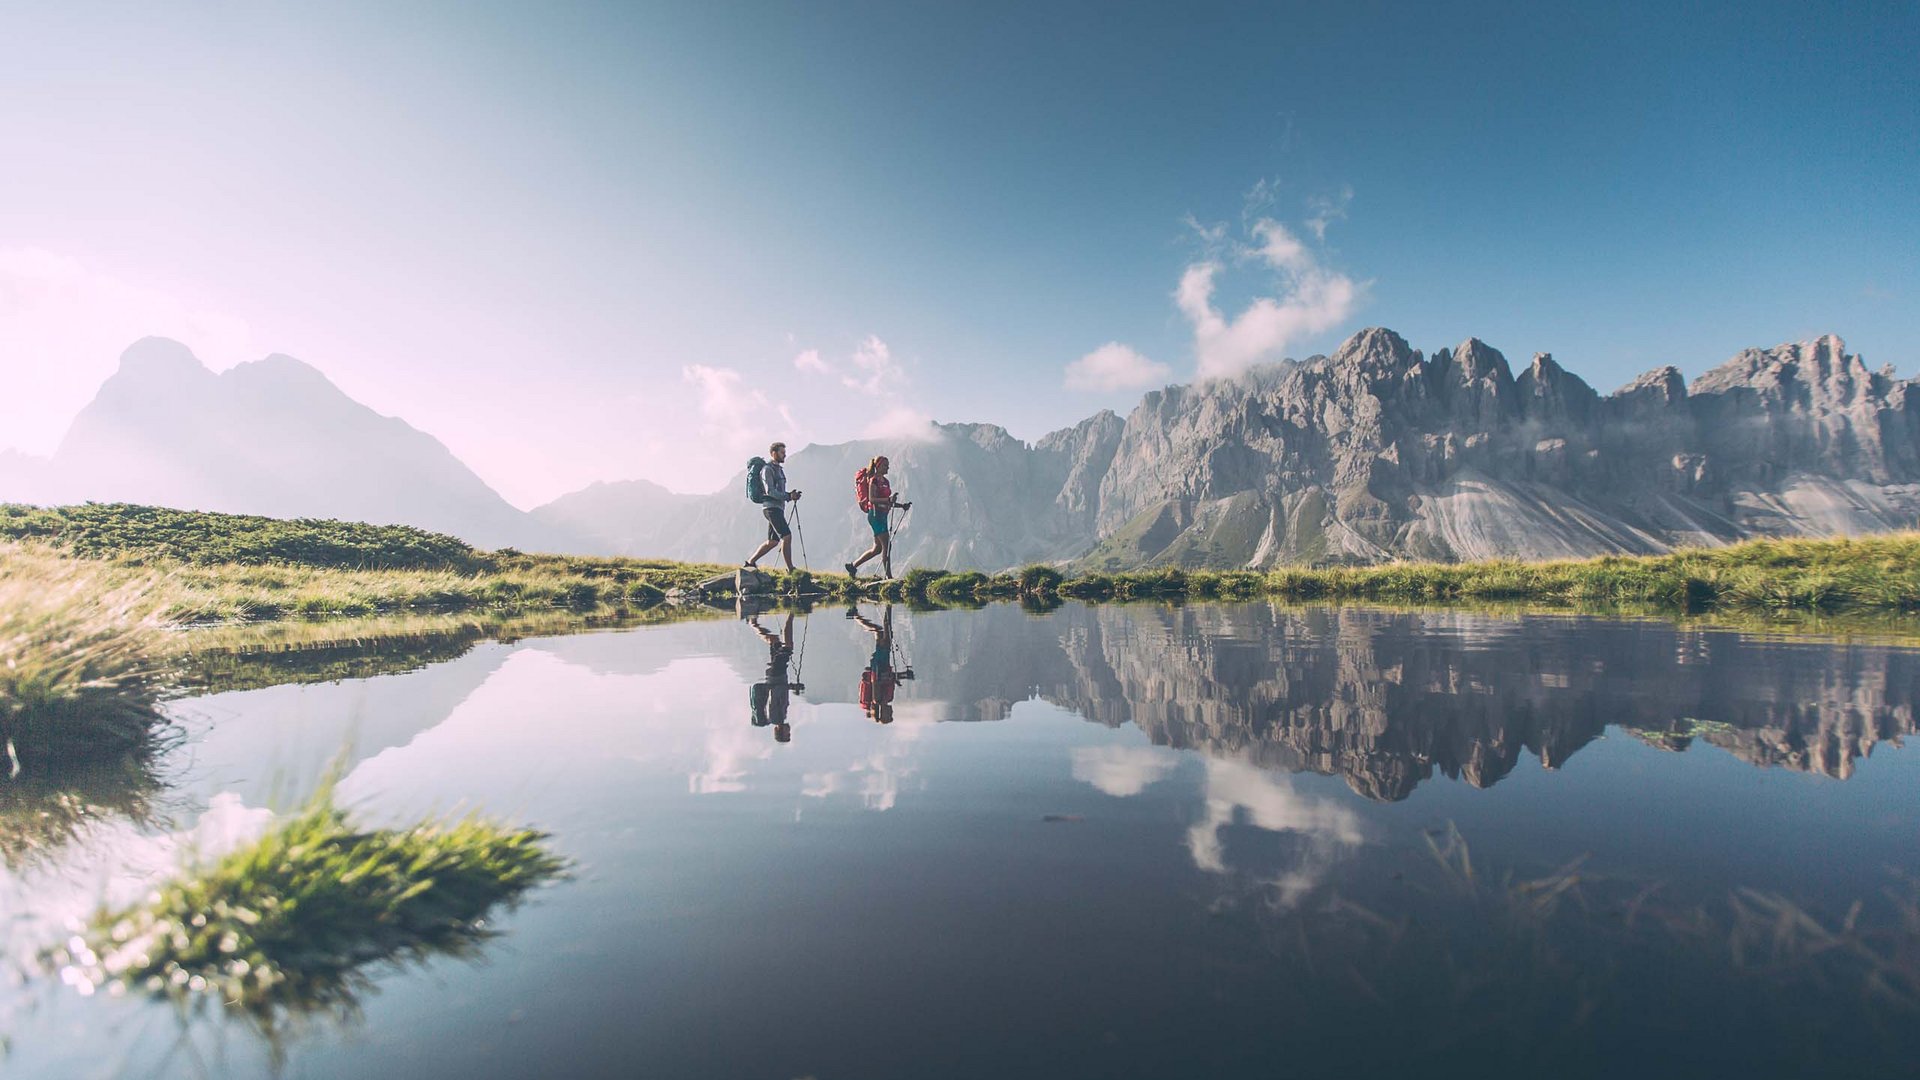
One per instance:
(1008, 881)
(1385, 699)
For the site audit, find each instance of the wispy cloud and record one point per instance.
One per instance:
(875, 372)
(1309, 298)
(1324, 210)
(1114, 366)
(734, 415)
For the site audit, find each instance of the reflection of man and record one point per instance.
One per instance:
(770, 695)
(880, 679)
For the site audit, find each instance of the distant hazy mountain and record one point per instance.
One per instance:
(272, 437)
(981, 498)
(623, 517)
(24, 478)
(1374, 453)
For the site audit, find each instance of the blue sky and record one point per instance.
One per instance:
(587, 242)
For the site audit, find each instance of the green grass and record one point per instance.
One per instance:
(1876, 574)
(222, 567)
(228, 567)
(98, 530)
(78, 674)
(288, 923)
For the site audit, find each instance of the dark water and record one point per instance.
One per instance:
(1225, 840)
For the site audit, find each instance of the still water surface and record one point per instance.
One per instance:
(1212, 840)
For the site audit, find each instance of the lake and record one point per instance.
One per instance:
(1127, 840)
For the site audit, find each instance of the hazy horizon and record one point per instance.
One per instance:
(596, 242)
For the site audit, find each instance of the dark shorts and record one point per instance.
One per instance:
(878, 522)
(777, 528)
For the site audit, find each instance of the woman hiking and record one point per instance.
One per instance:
(875, 495)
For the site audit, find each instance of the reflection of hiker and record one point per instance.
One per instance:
(879, 680)
(769, 697)
(875, 495)
(767, 485)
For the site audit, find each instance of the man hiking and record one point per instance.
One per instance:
(875, 495)
(767, 485)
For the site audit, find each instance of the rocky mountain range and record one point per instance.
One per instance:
(1379, 452)
(1376, 452)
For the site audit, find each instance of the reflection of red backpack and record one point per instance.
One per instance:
(863, 489)
(876, 688)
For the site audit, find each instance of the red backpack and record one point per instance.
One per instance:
(863, 489)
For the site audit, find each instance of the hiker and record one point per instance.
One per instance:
(769, 697)
(880, 679)
(875, 496)
(767, 485)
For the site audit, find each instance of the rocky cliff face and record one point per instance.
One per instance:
(1379, 452)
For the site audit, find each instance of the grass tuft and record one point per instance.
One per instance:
(78, 675)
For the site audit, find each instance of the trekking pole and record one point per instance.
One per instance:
(800, 532)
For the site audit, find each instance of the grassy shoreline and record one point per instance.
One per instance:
(204, 567)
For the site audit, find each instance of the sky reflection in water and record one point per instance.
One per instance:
(991, 882)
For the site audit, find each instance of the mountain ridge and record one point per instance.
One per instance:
(275, 437)
(1375, 452)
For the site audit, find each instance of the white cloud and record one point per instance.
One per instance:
(1114, 366)
(877, 374)
(1281, 249)
(1311, 299)
(63, 325)
(902, 422)
(735, 417)
(1123, 771)
(810, 361)
(724, 399)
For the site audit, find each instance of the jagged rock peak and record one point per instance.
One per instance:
(1475, 359)
(1821, 360)
(1663, 383)
(1376, 347)
(1550, 391)
(986, 436)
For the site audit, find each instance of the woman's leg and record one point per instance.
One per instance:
(870, 553)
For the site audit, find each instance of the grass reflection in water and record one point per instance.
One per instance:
(1464, 957)
(293, 923)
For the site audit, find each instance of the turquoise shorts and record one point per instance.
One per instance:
(878, 520)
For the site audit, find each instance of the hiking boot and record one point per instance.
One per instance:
(853, 572)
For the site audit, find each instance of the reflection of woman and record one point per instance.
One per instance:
(769, 697)
(880, 679)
